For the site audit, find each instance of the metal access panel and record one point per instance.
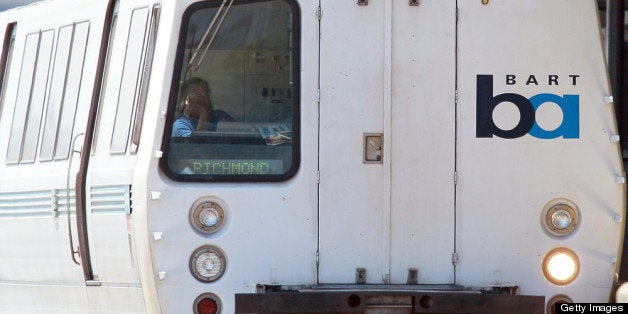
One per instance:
(423, 141)
(351, 198)
(387, 142)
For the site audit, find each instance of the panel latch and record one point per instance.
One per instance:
(373, 148)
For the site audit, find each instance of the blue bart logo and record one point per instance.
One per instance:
(487, 102)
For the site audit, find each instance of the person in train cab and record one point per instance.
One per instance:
(195, 111)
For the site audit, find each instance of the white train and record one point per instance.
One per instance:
(306, 156)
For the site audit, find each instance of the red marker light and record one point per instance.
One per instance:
(207, 303)
(207, 306)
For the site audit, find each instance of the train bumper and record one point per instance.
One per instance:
(361, 301)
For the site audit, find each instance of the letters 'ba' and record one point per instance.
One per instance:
(487, 102)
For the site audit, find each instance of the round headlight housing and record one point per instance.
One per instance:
(561, 266)
(560, 218)
(557, 299)
(207, 216)
(207, 263)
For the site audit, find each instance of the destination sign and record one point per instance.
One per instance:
(234, 166)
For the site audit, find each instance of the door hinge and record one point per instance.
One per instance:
(318, 262)
(455, 177)
(454, 258)
(318, 95)
(456, 97)
(319, 13)
(318, 178)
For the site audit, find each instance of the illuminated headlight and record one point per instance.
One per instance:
(207, 216)
(561, 266)
(560, 218)
(621, 296)
(207, 263)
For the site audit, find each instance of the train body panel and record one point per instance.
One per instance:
(505, 183)
(356, 157)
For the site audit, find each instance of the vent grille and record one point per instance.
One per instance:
(111, 199)
(42, 203)
(54, 202)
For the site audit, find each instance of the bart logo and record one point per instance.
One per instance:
(486, 103)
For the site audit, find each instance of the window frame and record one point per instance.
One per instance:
(37, 101)
(6, 60)
(23, 119)
(147, 66)
(64, 91)
(174, 93)
(127, 100)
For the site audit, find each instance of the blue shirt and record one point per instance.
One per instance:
(183, 127)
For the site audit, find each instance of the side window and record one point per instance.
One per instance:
(64, 91)
(113, 22)
(234, 104)
(48, 91)
(29, 105)
(36, 105)
(143, 89)
(134, 81)
(5, 61)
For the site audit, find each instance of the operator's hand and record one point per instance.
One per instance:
(198, 106)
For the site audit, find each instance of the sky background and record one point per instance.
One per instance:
(7, 4)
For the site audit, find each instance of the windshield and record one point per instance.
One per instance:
(233, 110)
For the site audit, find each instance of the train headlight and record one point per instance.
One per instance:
(206, 216)
(560, 218)
(207, 263)
(557, 299)
(561, 266)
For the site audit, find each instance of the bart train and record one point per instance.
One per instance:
(307, 156)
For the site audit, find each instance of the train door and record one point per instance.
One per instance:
(112, 155)
(387, 142)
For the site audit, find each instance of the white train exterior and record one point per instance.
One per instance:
(379, 156)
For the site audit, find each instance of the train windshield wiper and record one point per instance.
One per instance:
(209, 29)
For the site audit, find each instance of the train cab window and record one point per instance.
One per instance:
(234, 103)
